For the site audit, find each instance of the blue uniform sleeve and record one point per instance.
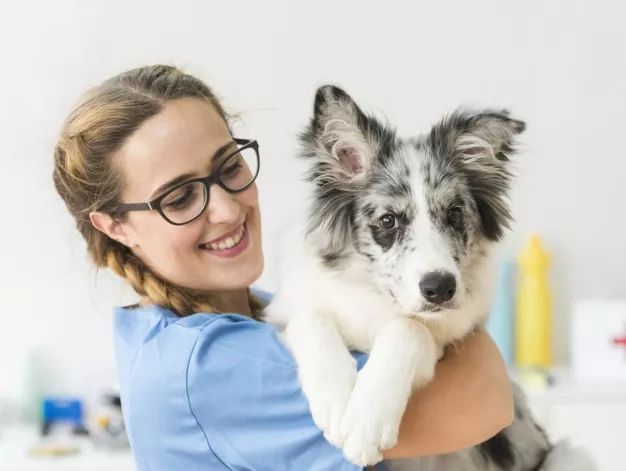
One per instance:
(244, 392)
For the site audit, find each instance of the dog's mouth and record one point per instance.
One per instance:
(429, 308)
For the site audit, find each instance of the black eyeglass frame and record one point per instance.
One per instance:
(208, 181)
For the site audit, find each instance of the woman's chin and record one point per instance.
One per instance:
(234, 277)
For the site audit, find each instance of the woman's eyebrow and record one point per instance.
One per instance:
(222, 150)
(173, 182)
(186, 176)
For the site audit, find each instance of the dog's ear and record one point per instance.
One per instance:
(339, 138)
(477, 137)
(487, 135)
(480, 144)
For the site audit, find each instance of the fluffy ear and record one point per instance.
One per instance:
(484, 136)
(339, 138)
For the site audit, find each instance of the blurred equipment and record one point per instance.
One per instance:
(63, 411)
(534, 309)
(598, 341)
(109, 430)
(501, 318)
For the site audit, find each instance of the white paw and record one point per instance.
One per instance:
(328, 394)
(369, 427)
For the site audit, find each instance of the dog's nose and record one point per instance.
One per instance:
(438, 287)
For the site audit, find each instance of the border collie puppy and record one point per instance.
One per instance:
(393, 258)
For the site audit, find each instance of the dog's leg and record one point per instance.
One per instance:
(403, 357)
(327, 370)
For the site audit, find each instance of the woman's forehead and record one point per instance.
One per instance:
(181, 139)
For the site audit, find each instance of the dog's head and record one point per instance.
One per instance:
(420, 212)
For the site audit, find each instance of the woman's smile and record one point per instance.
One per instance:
(230, 244)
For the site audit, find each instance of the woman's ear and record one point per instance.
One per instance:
(113, 228)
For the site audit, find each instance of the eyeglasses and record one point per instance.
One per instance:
(186, 201)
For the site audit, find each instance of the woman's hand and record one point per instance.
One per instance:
(469, 400)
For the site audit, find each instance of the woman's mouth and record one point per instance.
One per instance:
(230, 246)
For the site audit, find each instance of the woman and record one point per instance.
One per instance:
(205, 385)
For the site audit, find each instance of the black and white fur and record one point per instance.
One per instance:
(393, 258)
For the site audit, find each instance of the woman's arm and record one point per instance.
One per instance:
(243, 392)
(469, 401)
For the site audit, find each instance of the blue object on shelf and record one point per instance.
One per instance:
(63, 410)
(502, 318)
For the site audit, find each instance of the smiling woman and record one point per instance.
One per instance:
(166, 197)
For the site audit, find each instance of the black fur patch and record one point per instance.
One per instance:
(331, 260)
(387, 238)
(498, 449)
(542, 459)
(495, 216)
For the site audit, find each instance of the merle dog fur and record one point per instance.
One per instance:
(369, 189)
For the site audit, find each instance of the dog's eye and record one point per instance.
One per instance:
(455, 216)
(388, 221)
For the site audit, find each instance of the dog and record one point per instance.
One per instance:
(393, 258)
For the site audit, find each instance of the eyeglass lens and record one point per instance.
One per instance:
(188, 201)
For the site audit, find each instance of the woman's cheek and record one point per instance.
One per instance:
(250, 197)
(185, 239)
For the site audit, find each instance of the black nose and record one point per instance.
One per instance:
(438, 287)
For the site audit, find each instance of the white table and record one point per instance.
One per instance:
(15, 443)
(589, 414)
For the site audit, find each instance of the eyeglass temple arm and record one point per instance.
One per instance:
(135, 207)
(242, 141)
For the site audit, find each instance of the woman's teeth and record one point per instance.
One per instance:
(226, 243)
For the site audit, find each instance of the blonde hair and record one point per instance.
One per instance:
(86, 178)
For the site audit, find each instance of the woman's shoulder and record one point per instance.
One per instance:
(173, 375)
(137, 327)
(152, 350)
(224, 384)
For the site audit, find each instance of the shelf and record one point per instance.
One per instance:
(565, 388)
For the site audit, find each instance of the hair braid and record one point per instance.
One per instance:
(147, 284)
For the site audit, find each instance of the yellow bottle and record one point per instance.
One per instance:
(534, 304)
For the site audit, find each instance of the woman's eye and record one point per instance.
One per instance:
(180, 201)
(231, 170)
(455, 216)
(388, 221)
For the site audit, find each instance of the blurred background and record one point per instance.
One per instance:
(559, 65)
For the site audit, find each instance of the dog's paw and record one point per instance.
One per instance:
(328, 393)
(364, 439)
(368, 427)
(327, 409)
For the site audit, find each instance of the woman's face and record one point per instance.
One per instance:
(221, 249)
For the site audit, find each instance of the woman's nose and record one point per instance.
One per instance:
(222, 208)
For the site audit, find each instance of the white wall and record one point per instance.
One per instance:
(560, 65)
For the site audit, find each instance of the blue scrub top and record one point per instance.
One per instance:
(215, 392)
